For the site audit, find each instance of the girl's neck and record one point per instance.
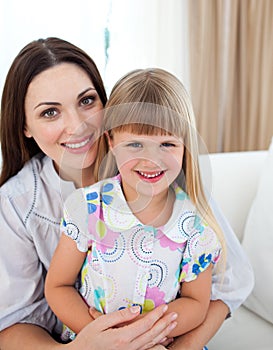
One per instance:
(154, 211)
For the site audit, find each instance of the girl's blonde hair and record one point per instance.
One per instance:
(151, 101)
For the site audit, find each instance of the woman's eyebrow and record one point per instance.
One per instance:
(88, 89)
(58, 104)
(47, 104)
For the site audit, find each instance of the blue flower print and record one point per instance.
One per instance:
(91, 199)
(202, 263)
(106, 198)
(198, 225)
(70, 229)
(99, 299)
(181, 195)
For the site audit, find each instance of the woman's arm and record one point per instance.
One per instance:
(200, 336)
(193, 304)
(63, 298)
(99, 334)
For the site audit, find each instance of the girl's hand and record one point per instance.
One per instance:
(94, 313)
(140, 335)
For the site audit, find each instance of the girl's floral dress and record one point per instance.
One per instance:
(130, 263)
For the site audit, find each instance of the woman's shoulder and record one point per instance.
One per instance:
(26, 179)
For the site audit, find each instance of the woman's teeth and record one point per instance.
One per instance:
(149, 176)
(77, 145)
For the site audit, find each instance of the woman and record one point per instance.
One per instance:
(51, 105)
(50, 117)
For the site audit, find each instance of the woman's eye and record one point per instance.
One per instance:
(49, 113)
(87, 100)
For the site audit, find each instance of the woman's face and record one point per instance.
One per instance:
(63, 115)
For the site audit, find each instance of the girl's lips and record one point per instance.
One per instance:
(150, 176)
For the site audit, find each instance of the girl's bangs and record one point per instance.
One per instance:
(144, 118)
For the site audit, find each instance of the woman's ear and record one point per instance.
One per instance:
(27, 132)
(109, 140)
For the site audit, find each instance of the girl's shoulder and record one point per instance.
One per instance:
(94, 192)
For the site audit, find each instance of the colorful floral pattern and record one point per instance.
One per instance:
(130, 263)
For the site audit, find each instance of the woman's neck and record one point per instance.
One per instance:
(154, 211)
(80, 177)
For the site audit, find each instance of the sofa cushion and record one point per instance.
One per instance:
(258, 242)
(243, 331)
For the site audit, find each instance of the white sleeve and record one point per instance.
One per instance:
(238, 280)
(22, 273)
(75, 220)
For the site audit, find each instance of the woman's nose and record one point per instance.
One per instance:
(73, 122)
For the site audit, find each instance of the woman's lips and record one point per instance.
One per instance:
(79, 146)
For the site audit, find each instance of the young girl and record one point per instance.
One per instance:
(144, 235)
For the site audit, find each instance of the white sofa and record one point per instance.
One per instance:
(235, 177)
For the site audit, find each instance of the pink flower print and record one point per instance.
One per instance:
(103, 236)
(153, 298)
(165, 242)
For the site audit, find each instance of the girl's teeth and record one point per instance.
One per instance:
(77, 145)
(148, 176)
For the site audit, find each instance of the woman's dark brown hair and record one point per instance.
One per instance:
(33, 59)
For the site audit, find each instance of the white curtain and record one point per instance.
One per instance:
(148, 34)
(142, 33)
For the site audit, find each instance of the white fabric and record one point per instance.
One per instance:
(258, 242)
(30, 211)
(235, 180)
(244, 331)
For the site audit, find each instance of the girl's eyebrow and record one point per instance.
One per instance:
(58, 104)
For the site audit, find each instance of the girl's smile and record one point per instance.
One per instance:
(152, 176)
(148, 164)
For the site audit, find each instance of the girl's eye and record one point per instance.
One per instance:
(49, 113)
(167, 144)
(88, 100)
(135, 144)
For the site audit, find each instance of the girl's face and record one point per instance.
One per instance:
(63, 115)
(148, 164)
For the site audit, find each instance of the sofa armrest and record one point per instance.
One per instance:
(234, 180)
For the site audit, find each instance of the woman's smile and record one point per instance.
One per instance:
(63, 116)
(79, 146)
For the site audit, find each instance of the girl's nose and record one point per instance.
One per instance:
(151, 157)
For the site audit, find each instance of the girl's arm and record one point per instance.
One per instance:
(193, 304)
(63, 298)
(197, 338)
